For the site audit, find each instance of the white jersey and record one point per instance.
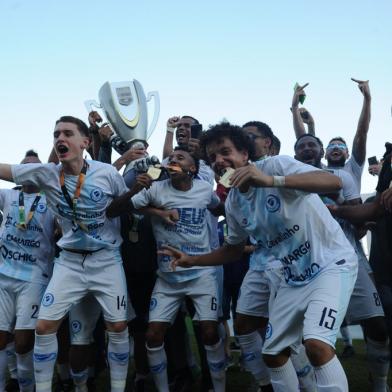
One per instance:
(26, 254)
(102, 183)
(190, 233)
(354, 169)
(288, 225)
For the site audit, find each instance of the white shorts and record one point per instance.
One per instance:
(254, 294)
(365, 302)
(83, 318)
(100, 274)
(19, 303)
(314, 310)
(167, 298)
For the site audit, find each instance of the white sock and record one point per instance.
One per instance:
(346, 336)
(378, 357)
(25, 366)
(118, 357)
(217, 363)
(63, 371)
(304, 370)
(11, 358)
(252, 359)
(45, 354)
(284, 378)
(80, 380)
(331, 377)
(158, 364)
(3, 368)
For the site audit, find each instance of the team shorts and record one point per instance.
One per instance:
(254, 294)
(365, 302)
(314, 310)
(19, 303)
(167, 298)
(75, 276)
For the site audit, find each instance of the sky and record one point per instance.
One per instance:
(214, 60)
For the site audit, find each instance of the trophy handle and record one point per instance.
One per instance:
(90, 104)
(154, 121)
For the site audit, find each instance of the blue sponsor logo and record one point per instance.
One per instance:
(47, 299)
(217, 366)
(41, 208)
(45, 357)
(96, 194)
(268, 331)
(76, 326)
(25, 382)
(272, 203)
(155, 369)
(244, 222)
(250, 356)
(153, 303)
(304, 372)
(121, 358)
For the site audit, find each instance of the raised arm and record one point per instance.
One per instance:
(314, 181)
(171, 126)
(298, 123)
(5, 172)
(359, 143)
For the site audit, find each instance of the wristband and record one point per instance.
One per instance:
(279, 181)
(170, 129)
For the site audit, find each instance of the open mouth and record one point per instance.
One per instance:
(62, 149)
(173, 168)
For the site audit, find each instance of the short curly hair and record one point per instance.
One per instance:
(236, 134)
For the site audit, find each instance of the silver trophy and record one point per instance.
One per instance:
(125, 107)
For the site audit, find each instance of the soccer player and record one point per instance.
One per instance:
(78, 192)
(26, 263)
(273, 202)
(181, 203)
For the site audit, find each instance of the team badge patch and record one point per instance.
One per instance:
(76, 326)
(153, 303)
(47, 299)
(96, 194)
(41, 207)
(272, 203)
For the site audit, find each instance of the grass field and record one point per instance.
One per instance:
(239, 381)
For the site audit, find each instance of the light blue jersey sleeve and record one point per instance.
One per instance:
(41, 175)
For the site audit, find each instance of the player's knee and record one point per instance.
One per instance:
(376, 328)
(154, 337)
(24, 342)
(318, 352)
(46, 327)
(118, 326)
(3, 340)
(209, 335)
(274, 361)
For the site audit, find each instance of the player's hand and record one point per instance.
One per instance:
(299, 91)
(250, 175)
(172, 122)
(142, 181)
(306, 116)
(133, 154)
(194, 146)
(180, 259)
(374, 170)
(363, 86)
(386, 199)
(170, 216)
(94, 118)
(105, 132)
(333, 209)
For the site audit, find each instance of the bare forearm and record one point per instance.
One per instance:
(224, 254)
(168, 145)
(311, 129)
(359, 144)
(317, 182)
(298, 124)
(360, 213)
(5, 172)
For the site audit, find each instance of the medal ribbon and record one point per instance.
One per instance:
(74, 201)
(23, 222)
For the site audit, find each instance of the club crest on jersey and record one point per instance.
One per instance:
(47, 299)
(96, 194)
(153, 303)
(268, 331)
(272, 203)
(76, 326)
(41, 207)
